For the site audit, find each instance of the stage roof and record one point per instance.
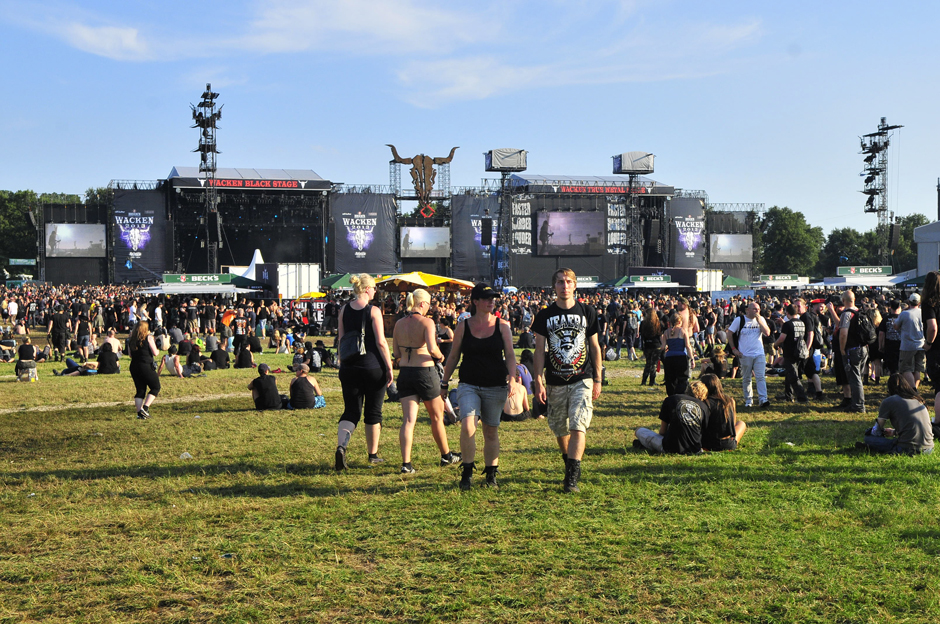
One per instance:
(587, 184)
(227, 177)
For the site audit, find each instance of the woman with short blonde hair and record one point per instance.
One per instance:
(414, 343)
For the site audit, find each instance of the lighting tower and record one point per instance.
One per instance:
(633, 165)
(875, 149)
(504, 161)
(206, 117)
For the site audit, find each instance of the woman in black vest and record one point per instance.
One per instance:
(363, 377)
(143, 349)
(485, 342)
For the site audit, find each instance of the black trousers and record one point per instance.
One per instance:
(676, 372)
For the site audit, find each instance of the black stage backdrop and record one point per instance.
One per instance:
(471, 260)
(365, 232)
(139, 228)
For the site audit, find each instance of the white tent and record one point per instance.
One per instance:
(256, 259)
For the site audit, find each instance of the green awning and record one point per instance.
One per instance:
(735, 282)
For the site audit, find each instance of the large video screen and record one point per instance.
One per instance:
(425, 242)
(75, 240)
(571, 233)
(731, 248)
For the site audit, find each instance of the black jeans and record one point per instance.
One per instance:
(792, 383)
(676, 371)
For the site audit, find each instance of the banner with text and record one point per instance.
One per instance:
(471, 260)
(688, 242)
(365, 232)
(139, 233)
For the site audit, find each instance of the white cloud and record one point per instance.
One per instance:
(114, 42)
(438, 53)
(364, 27)
(643, 55)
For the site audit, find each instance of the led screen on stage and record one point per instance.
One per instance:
(75, 240)
(571, 233)
(425, 242)
(731, 248)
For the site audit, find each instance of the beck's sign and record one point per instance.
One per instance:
(660, 279)
(197, 278)
(863, 271)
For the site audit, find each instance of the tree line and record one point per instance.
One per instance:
(785, 243)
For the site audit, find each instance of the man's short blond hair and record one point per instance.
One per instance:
(699, 391)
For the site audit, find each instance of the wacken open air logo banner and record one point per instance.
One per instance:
(135, 232)
(360, 231)
(691, 234)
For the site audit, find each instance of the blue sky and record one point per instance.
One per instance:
(751, 102)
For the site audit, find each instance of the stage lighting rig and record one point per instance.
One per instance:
(633, 164)
(504, 161)
(206, 118)
(875, 148)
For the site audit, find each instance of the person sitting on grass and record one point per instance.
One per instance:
(26, 358)
(173, 365)
(108, 363)
(244, 359)
(684, 417)
(305, 392)
(904, 407)
(264, 390)
(220, 357)
(171, 361)
(724, 431)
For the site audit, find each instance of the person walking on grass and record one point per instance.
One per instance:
(363, 377)
(572, 365)
(414, 344)
(143, 349)
(487, 376)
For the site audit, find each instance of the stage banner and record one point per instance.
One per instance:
(139, 231)
(471, 260)
(617, 227)
(688, 242)
(521, 220)
(365, 232)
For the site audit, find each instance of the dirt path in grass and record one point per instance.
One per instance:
(184, 399)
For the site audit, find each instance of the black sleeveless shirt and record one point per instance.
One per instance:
(483, 363)
(302, 395)
(352, 323)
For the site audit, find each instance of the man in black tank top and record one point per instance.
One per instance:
(572, 364)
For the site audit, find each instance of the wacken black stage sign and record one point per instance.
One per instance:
(265, 184)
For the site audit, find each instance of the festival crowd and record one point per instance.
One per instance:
(565, 336)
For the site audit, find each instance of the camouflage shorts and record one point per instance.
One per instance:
(570, 407)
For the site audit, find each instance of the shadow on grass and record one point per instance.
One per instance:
(928, 540)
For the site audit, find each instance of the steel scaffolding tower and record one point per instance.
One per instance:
(206, 117)
(875, 149)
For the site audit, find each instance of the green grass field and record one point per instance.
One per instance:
(103, 522)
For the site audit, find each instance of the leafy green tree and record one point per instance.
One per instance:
(788, 243)
(905, 256)
(846, 246)
(17, 234)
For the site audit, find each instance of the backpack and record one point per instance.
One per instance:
(633, 323)
(863, 327)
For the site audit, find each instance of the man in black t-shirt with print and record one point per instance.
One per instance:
(572, 363)
(683, 418)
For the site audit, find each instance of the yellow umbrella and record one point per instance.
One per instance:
(405, 282)
(449, 284)
(312, 295)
